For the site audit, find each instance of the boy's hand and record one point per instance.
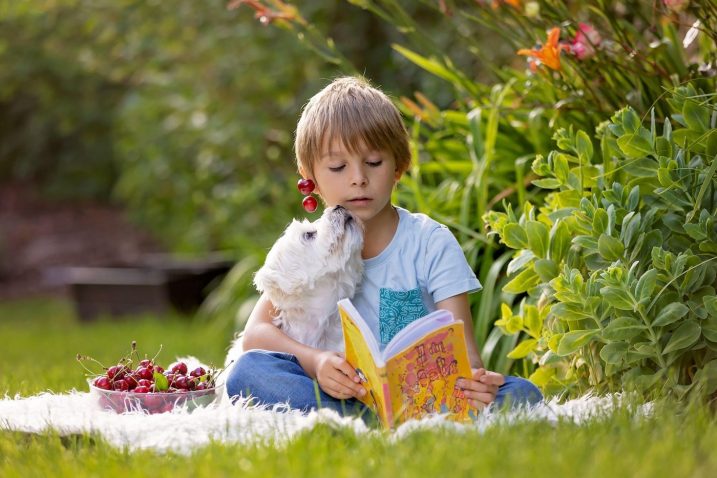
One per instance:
(482, 388)
(336, 377)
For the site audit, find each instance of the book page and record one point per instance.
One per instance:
(358, 354)
(415, 330)
(424, 375)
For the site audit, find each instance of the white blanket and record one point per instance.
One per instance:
(182, 431)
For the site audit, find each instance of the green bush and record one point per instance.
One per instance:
(620, 261)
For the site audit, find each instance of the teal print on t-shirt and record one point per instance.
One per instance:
(397, 309)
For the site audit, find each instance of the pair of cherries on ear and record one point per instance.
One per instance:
(306, 187)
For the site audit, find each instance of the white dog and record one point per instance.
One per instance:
(307, 271)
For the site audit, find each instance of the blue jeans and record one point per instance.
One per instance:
(276, 377)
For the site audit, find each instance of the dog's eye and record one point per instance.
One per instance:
(309, 235)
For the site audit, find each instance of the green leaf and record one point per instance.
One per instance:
(523, 349)
(574, 340)
(685, 335)
(160, 381)
(522, 282)
(614, 352)
(696, 116)
(430, 65)
(642, 168)
(710, 302)
(634, 146)
(568, 311)
(610, 248)
(600, 222)
(669, 314)
(646, 284)
(709, 329)
(560, 167)
(537, 238)
(711, 141)
(547, 270)
(663, 147)
(532, 321)
(547, 183)
(618, 298)
(514, 236)
(584, 146)
(559, 241)
(623, 328)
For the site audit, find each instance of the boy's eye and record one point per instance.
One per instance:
(336, 169)
(374, 164)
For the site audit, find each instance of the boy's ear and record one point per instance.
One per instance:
(304, 174)
(398, 174)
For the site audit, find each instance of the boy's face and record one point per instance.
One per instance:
(361, 182)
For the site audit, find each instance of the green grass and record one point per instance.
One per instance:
(40, 339)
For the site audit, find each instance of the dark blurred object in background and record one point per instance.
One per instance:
(37, 233)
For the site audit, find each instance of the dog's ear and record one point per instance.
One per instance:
(263, 280)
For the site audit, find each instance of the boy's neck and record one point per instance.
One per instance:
(379, 231)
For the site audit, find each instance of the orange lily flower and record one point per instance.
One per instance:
(548, 54)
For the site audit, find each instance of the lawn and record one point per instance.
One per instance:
(41, 338)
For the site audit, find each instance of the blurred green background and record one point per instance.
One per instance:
(180, 115)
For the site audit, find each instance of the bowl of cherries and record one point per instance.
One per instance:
(136, 384)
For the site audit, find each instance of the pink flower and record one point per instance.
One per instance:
(587, 38)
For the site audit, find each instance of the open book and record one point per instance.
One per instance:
(417, 371)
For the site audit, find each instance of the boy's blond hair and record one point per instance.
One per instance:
(349, 109)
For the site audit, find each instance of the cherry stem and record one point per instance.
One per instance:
(158, 351)
(80, 358)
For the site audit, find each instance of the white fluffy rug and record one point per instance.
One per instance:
(182, 431)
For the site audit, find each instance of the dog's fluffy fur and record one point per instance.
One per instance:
(311, 267)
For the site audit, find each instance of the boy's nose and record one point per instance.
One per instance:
(359, 177)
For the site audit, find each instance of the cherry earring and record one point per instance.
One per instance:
(306, 187)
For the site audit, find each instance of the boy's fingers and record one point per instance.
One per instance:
(345, 389)
(492, 378)
(477, 386)
(483, 397)
(478, 373)
(348, 370)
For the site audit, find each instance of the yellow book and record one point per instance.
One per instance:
(417, 371)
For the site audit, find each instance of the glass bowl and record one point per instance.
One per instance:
(156, 402)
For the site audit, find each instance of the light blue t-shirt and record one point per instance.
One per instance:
(422, 265)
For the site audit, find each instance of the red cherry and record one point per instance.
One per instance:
(181, 382)
(141, 389)
(180, 367)
(197, 372)
(145, 372)
(158, 369)
(305, 186)
(144, 383)
(170, 377)
(120, 385)
(131, 380)
(145, 363)
(103, 383)
(202, 386)
(310, 203)
(115, 372)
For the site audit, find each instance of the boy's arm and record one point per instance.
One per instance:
(482, 387)
(335, 376)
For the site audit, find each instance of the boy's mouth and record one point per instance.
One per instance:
(359, 200)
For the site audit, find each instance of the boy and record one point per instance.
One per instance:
(351, 141)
